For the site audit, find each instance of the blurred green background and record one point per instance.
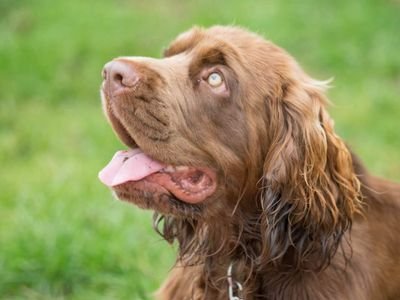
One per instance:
(62, 236)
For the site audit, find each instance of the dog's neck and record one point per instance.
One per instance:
(237, 240)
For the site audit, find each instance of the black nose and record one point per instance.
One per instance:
(119, 75)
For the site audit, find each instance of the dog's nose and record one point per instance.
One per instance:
(120, 75)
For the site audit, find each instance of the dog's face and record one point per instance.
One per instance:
(189, 112)
(224, 115)
(227, 124)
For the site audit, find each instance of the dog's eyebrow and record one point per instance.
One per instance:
(206, 56)
(211, 56)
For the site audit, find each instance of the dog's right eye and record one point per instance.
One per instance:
(215, 79)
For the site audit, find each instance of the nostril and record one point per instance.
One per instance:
(118, 78)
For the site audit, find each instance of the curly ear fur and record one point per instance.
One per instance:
(310, 192)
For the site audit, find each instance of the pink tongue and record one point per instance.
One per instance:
(128, 165)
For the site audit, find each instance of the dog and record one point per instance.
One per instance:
(230, 143)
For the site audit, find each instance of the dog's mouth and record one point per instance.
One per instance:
(188, 184)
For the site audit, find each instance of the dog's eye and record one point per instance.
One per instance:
(214, 79)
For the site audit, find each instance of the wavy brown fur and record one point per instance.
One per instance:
(295, 212)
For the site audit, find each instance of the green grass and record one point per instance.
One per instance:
(62, 236)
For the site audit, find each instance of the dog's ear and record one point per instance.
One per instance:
(309, 189)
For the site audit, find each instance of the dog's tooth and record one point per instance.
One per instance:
(182, 168)
(169, 169)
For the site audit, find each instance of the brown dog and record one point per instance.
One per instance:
(232, 147)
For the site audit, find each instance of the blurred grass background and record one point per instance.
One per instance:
(61, 234)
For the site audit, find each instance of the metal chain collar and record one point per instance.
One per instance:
(233, 286)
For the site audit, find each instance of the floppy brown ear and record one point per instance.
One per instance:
(310, 192)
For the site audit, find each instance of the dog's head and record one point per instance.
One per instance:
(192, 117)
(228, 123)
